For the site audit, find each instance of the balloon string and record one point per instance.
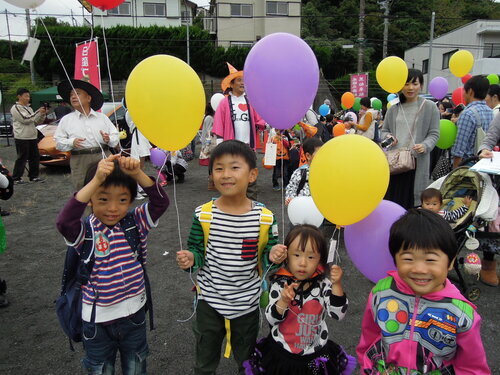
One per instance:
(175, 201)
(107, 65)
(282, 199)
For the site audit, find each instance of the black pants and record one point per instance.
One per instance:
(277, 173)
(179, 171)
(27, 149)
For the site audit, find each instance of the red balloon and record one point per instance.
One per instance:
(466, 77)
(106, 4)
(458, 96)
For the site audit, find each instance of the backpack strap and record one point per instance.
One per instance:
(265, 221)
(132, 235)
(303, 180)
(205, 219)
(87, 258)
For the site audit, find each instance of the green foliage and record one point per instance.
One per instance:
(17, 49)
(12, 66)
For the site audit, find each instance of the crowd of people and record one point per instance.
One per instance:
(233, 241)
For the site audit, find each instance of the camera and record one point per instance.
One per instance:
(387, 142)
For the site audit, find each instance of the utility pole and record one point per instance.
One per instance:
(385, 5)
(32, 65)
(8, 32)
(429, 62)
(187, 31)
(361, 38)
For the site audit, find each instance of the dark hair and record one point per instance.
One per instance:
(310, 144)
(116, 178)
(446, 105)
(235, 148)
(413, 76)
(22, 91)
(422, 229)
(366, 102)
(494, 90)
(458, 109)
(309, 233)
(479, 84)
(209, 111)
(431, 193)
(329, 117)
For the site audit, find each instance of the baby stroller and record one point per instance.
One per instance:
(484, 209)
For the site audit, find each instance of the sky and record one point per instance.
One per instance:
(57, 8)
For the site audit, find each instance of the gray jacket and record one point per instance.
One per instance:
(426, 132)
(492, 136)
(24, 121)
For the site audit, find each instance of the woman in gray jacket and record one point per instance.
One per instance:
(491, 139)
(421, 116)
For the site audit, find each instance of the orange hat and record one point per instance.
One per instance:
(233, 73)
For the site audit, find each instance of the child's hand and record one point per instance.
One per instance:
(105, 168)
(278, 254)
(336, 274)
(130, 166)
(467, 201)
(185, 259)
(288, 293)
(105, 136)
(287, 201)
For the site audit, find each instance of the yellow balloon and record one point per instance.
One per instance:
(391, 74)
(461, 63)
(166, 99)
(348, 178)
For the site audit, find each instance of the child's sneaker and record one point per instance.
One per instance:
(276, 188)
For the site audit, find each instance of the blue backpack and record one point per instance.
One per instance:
(77, 270)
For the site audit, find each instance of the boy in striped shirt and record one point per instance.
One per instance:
(117, 284)
(228, 277)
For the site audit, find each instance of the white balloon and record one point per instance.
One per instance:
(302, 210)
(26, 4)
(215, 100)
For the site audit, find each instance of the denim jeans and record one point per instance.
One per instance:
(102, 341)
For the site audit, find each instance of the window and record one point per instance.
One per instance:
(276, 8)
(185, 17)
(154, 9)
(241, 44)
(446, 59)
(425, 66)
(121, 10)
(491, 50)
(241, 10)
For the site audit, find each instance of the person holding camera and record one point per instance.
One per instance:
(413, 123)
(24, 121)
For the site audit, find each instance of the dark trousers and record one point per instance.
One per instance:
(179, 171)
(209, 332)
(277, 173)
(27, 149)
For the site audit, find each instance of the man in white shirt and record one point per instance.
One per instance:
(86, 133)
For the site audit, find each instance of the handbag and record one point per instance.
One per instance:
(400, 160)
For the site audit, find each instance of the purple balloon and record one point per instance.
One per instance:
(281, 79)
(438, 87)
(367, 241)
(157, 157)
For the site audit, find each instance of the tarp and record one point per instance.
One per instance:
(50, 95)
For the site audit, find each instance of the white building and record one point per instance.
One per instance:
(480, 37)
(147, 13)
(243, 22)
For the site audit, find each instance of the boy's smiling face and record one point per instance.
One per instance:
(232, 174)
(424, 270)
(110, 204)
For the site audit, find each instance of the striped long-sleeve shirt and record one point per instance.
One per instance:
(454, 215)
(228, 275)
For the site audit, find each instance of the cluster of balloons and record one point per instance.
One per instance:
(283, 61)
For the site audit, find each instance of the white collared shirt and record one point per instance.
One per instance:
(77, 125)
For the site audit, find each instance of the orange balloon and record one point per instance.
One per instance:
(339, 130)
(347, 99)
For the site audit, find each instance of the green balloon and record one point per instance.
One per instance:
(297, 128)
(493, 78)
(343, 106)
(377, 104)
(357, 104)
(447, 134)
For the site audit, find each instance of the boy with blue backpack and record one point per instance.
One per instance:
(110, 247)
(232, 243)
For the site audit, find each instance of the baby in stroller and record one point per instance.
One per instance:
(470, 204)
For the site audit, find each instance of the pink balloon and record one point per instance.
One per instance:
(157, 157)
(438, 87)
(367, 241)
(281, 79)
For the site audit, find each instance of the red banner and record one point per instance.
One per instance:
(359, 85)
(87, 63)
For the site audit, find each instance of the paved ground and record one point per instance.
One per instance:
(30, 338)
